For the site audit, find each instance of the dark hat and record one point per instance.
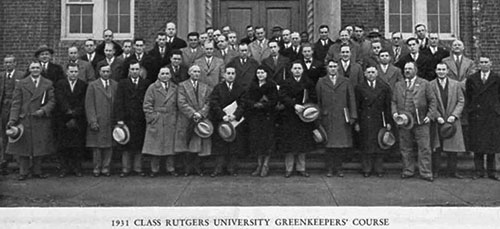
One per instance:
(43, 48)
(121, 134)
(226, 131)
(319, 135)
(385, 138)
(447, 130)
(204, 128)
(373, 34)
(15, 133)
(310, 113)
(404, 120)
(277, 28)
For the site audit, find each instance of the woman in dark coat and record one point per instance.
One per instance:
(260, 102)
(296, 135)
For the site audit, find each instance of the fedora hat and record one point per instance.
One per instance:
(226, 131)
(447, 130)
(319, 135)
(121, 134)
(15, 133)
(204, 128)
(310, 113)
(385, 138)
(43, 48)
(404, 120)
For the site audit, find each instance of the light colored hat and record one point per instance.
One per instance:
(310, 113)
(204, 128)
(385, 138)
(404, 120)
(319, 135)
(15, 133)
(121, 134)
(226, 131)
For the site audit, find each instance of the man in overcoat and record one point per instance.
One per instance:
(177, 68)
(50, 70)
(91, 55)
(296, 135)
(212, 68)
(161, 112)
(71, 124)
(423, 62)
(115, 63)
(415, 96)
(86, 72)
(259, 49)
(336, 100)
(313, 69)
(387, 72)
(224, 94)
(348, 68)
(128, 111)
(193, 103)
(450, 104)
(373, 101)
(460, 67)
(32, 105)
(193, 51)
(224, 52)
(99, 101)
(482, 101)
(245, 67)
(276, 63)
(8, 79)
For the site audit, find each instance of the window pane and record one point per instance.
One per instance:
(124, 24)
(125, 7)
(87, 24)
(407, 7)
(113, 22)
(444, 6)
(74, 10)
(407, 24)
(79, 1)
(112, 7)
(432, 6)
(394, 23)
(74, 24)
(432, 23)
(394, 6)
(87, 10)
(445, 24)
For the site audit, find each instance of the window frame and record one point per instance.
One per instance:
(99, 21)
(419, 16)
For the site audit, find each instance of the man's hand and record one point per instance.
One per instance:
(38, 113)
(120, 123)
(94, 126)
(388, 126)
(225, 118)
(440, 120)
(451, 119)
(70, 112)
(427, 120)
(395, 115)
(299, 108)
(231, 117)
(356, 127)
(10, 123)
(197, 117)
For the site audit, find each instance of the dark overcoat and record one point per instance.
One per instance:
(70, 105)
(128, 108)
(245, 73)
(279, 72)
(371, 102)
(295, 135)
(483, 109)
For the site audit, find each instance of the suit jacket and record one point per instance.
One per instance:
(211, 74)
(99, 109)
(18, 75)
(316, 71)
(37, 139)
(454, 107)
(157, 61)
(403, 52)
(180, 75)
(245, 74)
(257, 52)
(86, 72)
(54, 72)
(424, 99)
(391, 76)
(320, 51)
(278, 73)
(467, 69)
(189, 57)
(354, 72)
(334, 51)
(177, 43)
(97, 58)
(370, 60)
(230, 55)
(288, 52)
(70, 106)
(146, 63)
(438, 56)
(100, 48)
(116, 68)
(424, 64)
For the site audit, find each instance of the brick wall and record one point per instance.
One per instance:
(26, 24)
(369, 13)
(490, 31)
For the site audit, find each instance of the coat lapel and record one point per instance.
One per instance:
(436, 87)
(191, 92)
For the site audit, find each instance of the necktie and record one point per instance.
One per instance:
(106, 85)
(483, 77)
(209, 61)
(35, 81)
(275, 60)
(9, 75)
(72, 85)
(162, 52)
(89, 57)
(230, 86)
(408, 84)
(223, 53)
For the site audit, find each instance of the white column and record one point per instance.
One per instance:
(327, 12)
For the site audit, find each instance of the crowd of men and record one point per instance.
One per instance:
(215, 96)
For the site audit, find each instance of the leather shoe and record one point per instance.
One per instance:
(379, 174)
(173, 173)
(256, 172)
(142, 174)
(21, 177)
(329, 173)
(288, 174)
(340, 173)
(265, 170)
(186, 174)
(62, 175)
(214, 174)
(108, 174)
(153, 174)
(430, 179)
(122, 175)
(456, 175)
(40, 176)
(366, 174)
(494, 177)
(304, 174)
(406, 176)
(97, 174)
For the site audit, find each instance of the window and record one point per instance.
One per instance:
(440, 16)
(82, 19)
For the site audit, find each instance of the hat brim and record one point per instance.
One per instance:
(307, 106)
(411, 121)
(21, 132)
(447, 130)
(37, 53)
(380, 138)
(210, 128)
(322, 133)
(232, 136)
(127, 134)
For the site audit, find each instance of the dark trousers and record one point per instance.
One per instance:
(71, 159)
(334, 158)
(24, 165)
(372, 162)
(192, 162)
(230, 161)
(451, 161)
(479, 163)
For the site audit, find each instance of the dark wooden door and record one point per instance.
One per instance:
(238, 14)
